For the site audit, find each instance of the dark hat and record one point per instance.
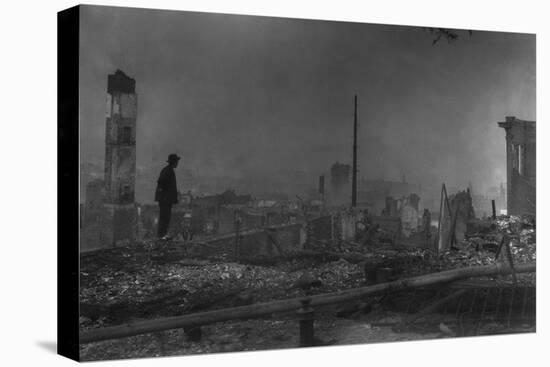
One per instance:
(173, 158)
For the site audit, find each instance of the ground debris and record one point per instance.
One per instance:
(129, 283)
(120, 292)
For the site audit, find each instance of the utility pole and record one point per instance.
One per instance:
(354, 173)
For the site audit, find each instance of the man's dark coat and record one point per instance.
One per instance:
(167, 190)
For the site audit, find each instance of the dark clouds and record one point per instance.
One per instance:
(233, 93)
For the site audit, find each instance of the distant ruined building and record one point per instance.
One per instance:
(520, 165)
(110, 214)
(340, 183)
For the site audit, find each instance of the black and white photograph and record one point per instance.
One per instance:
(271, 183)
(252, 183)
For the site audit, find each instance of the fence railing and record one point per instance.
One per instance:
(303, 305)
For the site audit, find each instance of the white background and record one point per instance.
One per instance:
(28, 184)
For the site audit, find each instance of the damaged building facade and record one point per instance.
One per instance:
(520, 165)
(110, 214)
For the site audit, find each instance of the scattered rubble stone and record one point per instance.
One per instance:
(125, 284)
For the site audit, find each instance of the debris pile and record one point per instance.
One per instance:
(128, 283)
(119, 293)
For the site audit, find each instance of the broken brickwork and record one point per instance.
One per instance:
(520, 165)
(462, 208)
(120, 139)
(409, 214)
(110, 214)
(120, 156)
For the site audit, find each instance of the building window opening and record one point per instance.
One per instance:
(126, 135)
(125, 194)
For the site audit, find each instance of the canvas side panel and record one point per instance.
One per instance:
(68, 182)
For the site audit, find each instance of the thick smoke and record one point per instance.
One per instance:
(244, 97)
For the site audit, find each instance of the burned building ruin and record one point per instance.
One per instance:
(340, 181)
(110, 210)
(520, 165)
(120, 139)
(120, 155)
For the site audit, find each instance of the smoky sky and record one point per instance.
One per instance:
(237, 94)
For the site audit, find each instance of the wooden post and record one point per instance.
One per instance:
(354, 173)
(332, 229)
(305, 317)
(441, 208)
(237, 223)
(427, 218)
(322, 187)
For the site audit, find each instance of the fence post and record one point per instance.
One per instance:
(305, 317)
(237, 226)
(332, 236)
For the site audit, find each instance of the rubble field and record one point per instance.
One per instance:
(129, 284)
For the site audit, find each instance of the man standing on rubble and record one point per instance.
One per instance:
(166, 195)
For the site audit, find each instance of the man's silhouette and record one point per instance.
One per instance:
(166, 194)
